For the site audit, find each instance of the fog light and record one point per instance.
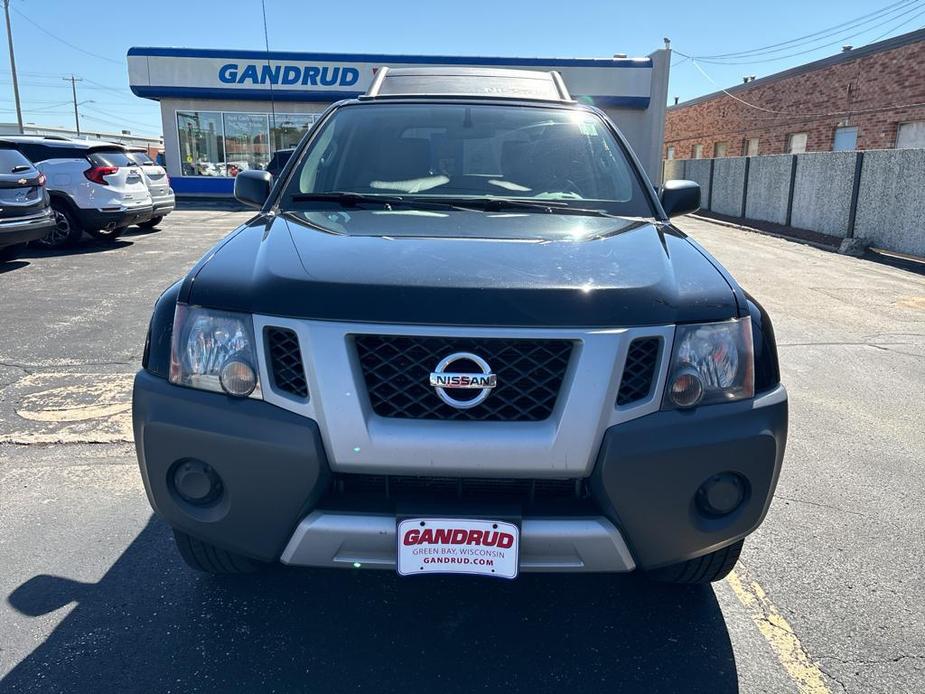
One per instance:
(722, 494)
(686, 388)
(238, 378)
(196, 482)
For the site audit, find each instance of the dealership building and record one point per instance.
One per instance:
(226, 111)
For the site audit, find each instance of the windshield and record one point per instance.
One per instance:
(469, 151)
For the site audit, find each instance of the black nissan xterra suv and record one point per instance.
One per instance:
(461, 336)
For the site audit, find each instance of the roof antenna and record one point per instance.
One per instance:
(266, 43)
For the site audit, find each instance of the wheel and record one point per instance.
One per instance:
(202, 556)
(107, 235)
(66, 232)
(9, 253)
(151, 223)
(706, 569)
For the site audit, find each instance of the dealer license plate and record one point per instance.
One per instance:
(458, 546)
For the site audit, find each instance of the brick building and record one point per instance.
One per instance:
(866, 98)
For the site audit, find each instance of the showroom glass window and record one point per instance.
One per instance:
(289, 129)
(246, 142)
(202, 149)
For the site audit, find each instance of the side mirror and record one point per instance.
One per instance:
(680, 197)
(252, 187)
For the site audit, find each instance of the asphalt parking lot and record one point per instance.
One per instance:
(827, 597)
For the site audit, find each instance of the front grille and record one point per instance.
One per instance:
(397, 371)
(639, 370)
(285, 361)
(365, 491)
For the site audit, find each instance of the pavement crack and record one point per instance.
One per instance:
(816, 503)
(873, 661)
(25, 369)
(30, 369)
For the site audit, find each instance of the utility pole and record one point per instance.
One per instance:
(9, 38)
(74, 80)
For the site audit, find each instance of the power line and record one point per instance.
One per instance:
(815, 48)
(822, 33)
(66, 42)
(898, 26)
(127, 121)
(801, 114)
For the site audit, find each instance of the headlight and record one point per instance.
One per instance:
(710, 363)
(214, 350)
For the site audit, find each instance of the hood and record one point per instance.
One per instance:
(608, 273)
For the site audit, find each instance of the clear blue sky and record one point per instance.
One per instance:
(569, 28)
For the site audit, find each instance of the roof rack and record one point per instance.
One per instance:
(468, 82)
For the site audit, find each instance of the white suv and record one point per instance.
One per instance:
(155, 178)
(94, 187)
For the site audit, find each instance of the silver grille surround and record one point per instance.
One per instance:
(564, 445)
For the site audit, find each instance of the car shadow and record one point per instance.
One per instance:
(84, 247)
(150, 624)
(10, 265)
(139, 231)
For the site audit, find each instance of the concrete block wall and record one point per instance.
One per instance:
(891, 200)
(698, 170)
(822, 192)
(769, 188)
(673, 169)
(728, 186)
(877, 195)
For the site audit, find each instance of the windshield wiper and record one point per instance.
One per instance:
(349, 199)
(486, 204)
(494, 204)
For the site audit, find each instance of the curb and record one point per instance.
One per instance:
(832, 248)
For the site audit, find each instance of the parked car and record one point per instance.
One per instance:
(94, 187)
(25, 209)
(278, 160)
(155, 178)
(461, 335)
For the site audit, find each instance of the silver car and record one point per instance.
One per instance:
(155, 178)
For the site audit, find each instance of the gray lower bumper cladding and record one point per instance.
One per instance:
(274, 470)
(334, 539)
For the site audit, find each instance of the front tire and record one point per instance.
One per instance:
(207, 558)
(107, 235)
(151, 223)
(66, 231)
(706, 569)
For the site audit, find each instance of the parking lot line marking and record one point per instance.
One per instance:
(777, 632)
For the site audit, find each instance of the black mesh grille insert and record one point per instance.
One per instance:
(639, 370)
(397, 371)
(397, 488)
(285, 360)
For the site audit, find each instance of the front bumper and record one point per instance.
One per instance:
(275, 472)
(24, 229)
